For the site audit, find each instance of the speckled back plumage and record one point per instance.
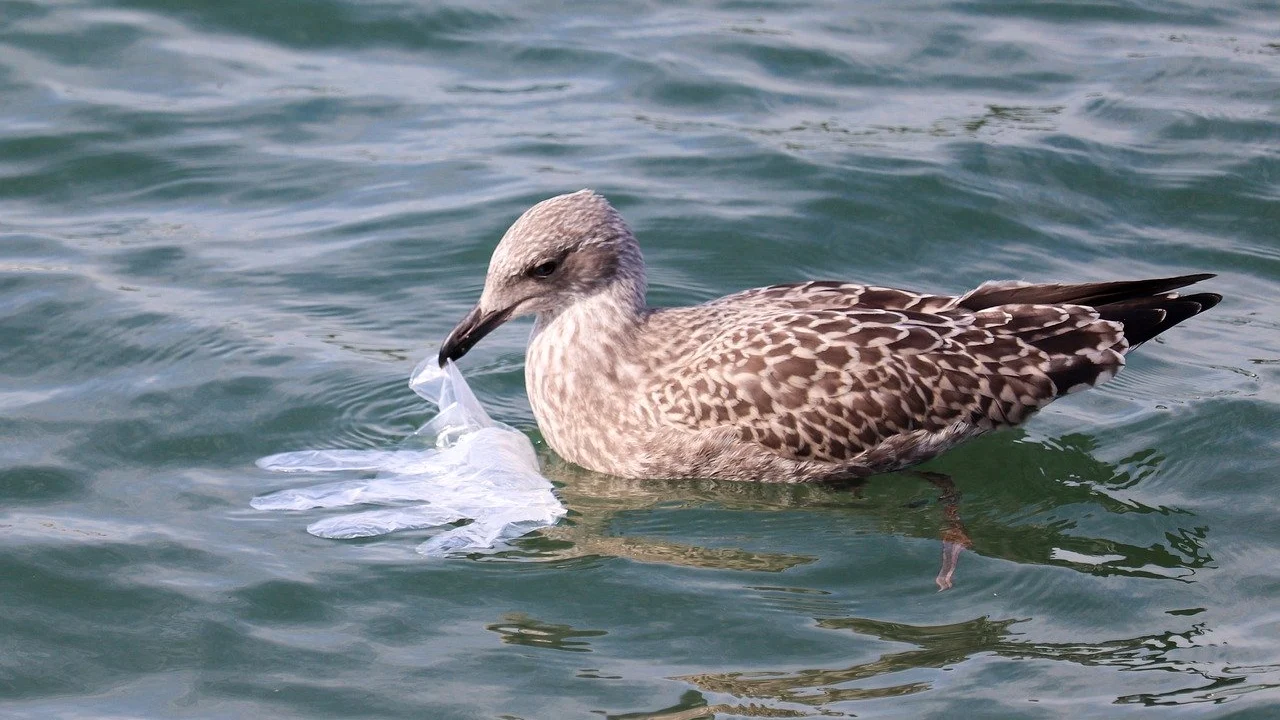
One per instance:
(802, 382)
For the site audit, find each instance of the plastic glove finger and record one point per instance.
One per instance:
(381, 522)
(381, 491)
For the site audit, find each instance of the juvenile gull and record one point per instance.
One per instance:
(788, 383)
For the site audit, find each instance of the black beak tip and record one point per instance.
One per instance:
(469, 332)
(451, 350)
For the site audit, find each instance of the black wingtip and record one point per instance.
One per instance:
(1198, 277)
(1145, 318)
(1206, 300)
(1091, 294)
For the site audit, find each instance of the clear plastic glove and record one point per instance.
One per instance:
(468, 468)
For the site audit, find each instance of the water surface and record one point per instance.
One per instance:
(230, 229)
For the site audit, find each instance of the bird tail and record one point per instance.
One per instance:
(1145, 308)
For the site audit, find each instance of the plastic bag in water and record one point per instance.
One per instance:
(459, 466)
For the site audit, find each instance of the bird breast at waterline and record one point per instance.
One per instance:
(809, 381)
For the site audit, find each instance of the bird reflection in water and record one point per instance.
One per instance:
(806, 693)
(520, 629)
(1024, 502)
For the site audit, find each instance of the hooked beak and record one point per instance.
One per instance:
(473, 327)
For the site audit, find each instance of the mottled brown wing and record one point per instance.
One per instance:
(827, 385)
(833, 295)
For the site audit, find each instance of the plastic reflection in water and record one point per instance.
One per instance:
(462, 465)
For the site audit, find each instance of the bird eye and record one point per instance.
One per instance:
(544, 270)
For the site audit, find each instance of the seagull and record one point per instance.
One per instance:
(804, 382)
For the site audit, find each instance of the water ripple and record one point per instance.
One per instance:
(229, 229)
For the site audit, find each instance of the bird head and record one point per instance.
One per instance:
(559, 251)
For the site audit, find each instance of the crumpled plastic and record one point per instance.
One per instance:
(461, 465)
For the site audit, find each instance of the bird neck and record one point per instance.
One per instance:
(583, 357)
(630, 284)
(602, 318)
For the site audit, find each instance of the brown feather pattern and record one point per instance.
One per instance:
(827, 372)
(800, 382)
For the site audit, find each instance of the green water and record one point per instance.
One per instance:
(230, 229)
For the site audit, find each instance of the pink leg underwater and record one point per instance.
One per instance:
(950, 558)
(954, 537)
